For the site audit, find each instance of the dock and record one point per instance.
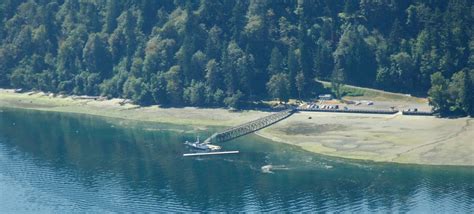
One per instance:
(255, 125)
(250, 127)
(210, 153)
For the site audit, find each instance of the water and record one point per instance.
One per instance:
(52, 162)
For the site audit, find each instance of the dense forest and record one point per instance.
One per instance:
(230, 52)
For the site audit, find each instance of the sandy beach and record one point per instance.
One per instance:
(385, 138)
(112, 108)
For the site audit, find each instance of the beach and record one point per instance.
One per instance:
(383, 138)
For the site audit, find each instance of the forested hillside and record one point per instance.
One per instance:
(227, 52)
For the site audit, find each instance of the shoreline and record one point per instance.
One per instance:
(379, 138)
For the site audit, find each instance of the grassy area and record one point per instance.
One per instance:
(373, 94)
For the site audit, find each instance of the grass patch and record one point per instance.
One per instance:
(369, 93)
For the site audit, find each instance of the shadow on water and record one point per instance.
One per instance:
(117, 165)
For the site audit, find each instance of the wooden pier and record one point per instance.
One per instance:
(247, 128)
(253, 126)
(210, 153)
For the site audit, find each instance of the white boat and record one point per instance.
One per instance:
(202, 146)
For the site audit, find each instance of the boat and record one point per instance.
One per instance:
(202, 146)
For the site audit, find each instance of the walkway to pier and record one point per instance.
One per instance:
(247, 128)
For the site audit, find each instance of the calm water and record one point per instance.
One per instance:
(52, 162)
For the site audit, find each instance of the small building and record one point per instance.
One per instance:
(325, 97)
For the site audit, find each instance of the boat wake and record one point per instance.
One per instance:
(271, 168)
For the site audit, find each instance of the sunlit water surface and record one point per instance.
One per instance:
(52, 162)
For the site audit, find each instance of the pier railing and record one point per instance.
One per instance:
(247, 128)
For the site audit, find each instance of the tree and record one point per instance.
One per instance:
(112, 12)
(237, 22)
(218, 97)
(198, 65)
(279, 87)
(158, 89)
(137, 90)
(96, 57)
(305, 59)
(403, 67)
(456, 92)
(171, 49)
(337, 82)
(276, 62)
(354, 57)
(300, 82)
(213, 74)
(438, 93)
(469, 92)
(174, 86)
(293, 68)
(235, 100)
(213, 42)
(196, 94)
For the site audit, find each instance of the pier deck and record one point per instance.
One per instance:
(247, 128)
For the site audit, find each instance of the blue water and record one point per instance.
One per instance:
(56, 162)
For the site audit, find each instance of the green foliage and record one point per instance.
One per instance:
(276, 62)
(213, 74)
(174, 85)
(353, 92)
(215, 53)
(354, 57)
(279, 87)
(137, 90)
(337, 81)
(196, 94)
(235, 100)
(452, 96)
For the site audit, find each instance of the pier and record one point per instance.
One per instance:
(210, 153)
(247, 128)
(255, 125)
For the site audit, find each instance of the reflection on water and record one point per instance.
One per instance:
(68, 162)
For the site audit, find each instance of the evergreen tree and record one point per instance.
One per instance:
(276, 62)
(279, 87)
(112, 12)
(468, 93)
(164, 52)
(438, 93)
(293, 69)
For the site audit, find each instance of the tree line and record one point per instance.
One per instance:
(232, 52)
